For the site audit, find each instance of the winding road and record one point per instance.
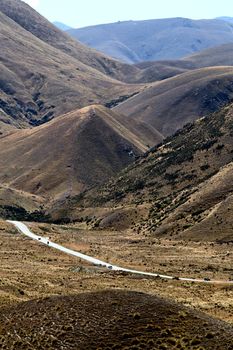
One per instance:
(25, 230)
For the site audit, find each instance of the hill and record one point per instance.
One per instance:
(20, 205)
(110, 320)
(152, 71)
(184, 185)
(225, 18)
(152, 40)
(37, 25)
(216, 56)
(63, 157)
(42, 70)
(160, 70)
(62, 26)
(168, 105)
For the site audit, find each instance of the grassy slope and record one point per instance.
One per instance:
(36, 24)
(216, 56)
(110, 320)
(17, 204)
(159, 70)
(39, 81)
(169, 104)
(181, 183)
(79, 149)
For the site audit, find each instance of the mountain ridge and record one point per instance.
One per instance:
(153, 40)
(85, 147)
(62, 26)
(183, 186)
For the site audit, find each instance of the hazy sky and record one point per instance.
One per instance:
(80, 13)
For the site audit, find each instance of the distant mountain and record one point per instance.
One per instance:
(51, 76)
(160, 70)
(227, 19)
(161, 39)
(62, 26)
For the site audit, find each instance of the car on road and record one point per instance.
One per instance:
(206, 279)
(176, 278)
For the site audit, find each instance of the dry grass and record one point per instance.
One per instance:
(63, 157)
(30, 270)
(49, 75)
(42, 29)
(110, 320)
(170, 104)
(185, 185)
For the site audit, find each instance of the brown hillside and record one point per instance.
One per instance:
(19, 204)
(75, 151)
(110, 320)
(207, 213)
(39, 82)
(176, 183)
(159, 70)
(217, 56)
(170, 104)
(41, 28)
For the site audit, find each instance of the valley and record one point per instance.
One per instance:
(50, 272)
(122, 160)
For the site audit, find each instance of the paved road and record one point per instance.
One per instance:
(25, 230)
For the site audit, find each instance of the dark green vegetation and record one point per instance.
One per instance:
(110, 320)
(21, 214)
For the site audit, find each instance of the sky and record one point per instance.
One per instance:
(81, 13)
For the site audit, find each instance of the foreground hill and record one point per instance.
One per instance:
(110, 320)
(184, 185)
(170, 104)
(75, 151)
(137, 41)
(42, 72)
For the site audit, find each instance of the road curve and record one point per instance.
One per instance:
(25, 230)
